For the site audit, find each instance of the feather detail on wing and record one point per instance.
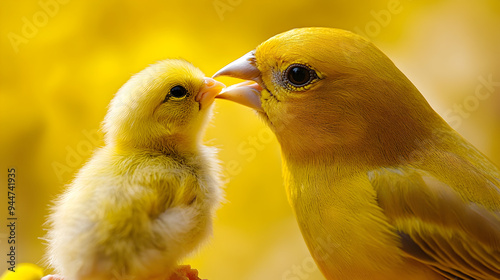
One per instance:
(457, 238)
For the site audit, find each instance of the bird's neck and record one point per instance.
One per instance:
(385, 137)
(389, 144)
(306, 180)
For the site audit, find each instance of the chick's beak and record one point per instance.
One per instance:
(208, 91)
(245, 93)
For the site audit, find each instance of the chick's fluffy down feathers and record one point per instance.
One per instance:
(143, 201)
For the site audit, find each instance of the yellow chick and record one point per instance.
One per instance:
(146, 199)
(381, 186)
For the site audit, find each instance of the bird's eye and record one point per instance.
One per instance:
(299, 75)
(178, 92)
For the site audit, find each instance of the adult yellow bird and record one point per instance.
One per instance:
(146, 199)
(381, 186)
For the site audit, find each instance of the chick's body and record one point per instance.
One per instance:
(381, 186)
(146, 199)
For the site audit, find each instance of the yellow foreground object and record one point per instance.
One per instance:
(24, 271)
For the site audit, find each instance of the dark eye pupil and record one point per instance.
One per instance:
(299, 76)
(178, 92)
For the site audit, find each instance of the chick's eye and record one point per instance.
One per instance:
(178, 92)
(299, 75)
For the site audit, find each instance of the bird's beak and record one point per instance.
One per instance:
(245, 93)
(208, 91)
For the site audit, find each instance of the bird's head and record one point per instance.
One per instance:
(165, 106)
(327, 90)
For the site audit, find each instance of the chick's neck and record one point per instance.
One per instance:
(175, 144)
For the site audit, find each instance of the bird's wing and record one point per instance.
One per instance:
(457, 238)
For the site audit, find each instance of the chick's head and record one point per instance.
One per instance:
(325, 89)
(165, 106)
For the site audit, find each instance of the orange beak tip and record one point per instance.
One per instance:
(210, 89)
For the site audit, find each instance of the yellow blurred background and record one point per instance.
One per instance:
(62, 61)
